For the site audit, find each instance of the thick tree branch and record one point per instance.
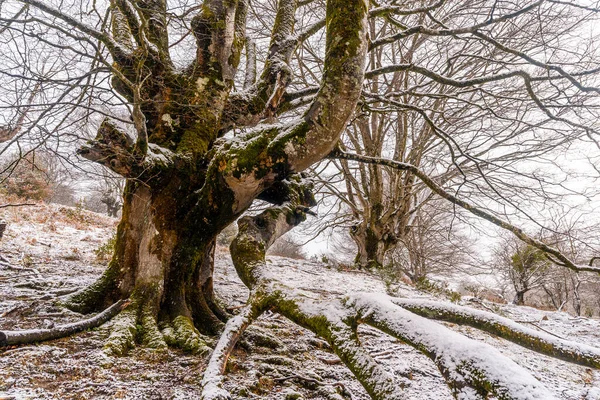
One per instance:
(116, 150)
(218, 50)
(467, 365)
(248, 107)
(506, 329)
(551, 251)
(112, 148)
(332, 321)
(212, 381)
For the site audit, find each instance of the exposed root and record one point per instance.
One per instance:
(181, 333)
(136, 324)
(95, 295)
(123, 332)
(472, 369)
(149, 333)
(505, 328)
(9, 338)
(204, 316)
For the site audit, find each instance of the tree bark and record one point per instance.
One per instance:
(185, 183)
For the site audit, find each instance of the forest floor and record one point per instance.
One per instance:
(57, 249)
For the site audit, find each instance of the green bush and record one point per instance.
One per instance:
(105, 251)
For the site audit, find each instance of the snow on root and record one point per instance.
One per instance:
(462, 360)
(573, 351)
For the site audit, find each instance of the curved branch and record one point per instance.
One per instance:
(398, 10)
(332, 321)
(564, 260)
(212, 381)
(114, 149)
(421, 29)
(11, 338)
(248, 107)
(120, 54)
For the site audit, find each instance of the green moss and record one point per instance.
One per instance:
(149, 333)
(124, 331)
(187, 337)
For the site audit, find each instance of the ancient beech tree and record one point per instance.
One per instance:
(204, 149)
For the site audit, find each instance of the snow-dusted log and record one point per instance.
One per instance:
(11, 338)
(472, 369)
(505, 328)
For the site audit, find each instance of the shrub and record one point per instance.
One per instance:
(27, 178)
(287, 247)
(105, 251)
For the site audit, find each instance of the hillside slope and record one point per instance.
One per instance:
(56, 248)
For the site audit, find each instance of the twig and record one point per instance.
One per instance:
(15, 268)
(5, 313)
(330, 361)
(542, 329)
(301, 377)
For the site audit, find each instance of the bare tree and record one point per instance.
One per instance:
(444, 106)
(197, 147)
(430, 247)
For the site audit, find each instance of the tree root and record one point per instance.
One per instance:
(95, 295)
(182, 333)
(9, 338)
(123, 332)
(505, 328)
(138, 323)
(471, 368)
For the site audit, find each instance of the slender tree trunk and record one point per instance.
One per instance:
(520, 298)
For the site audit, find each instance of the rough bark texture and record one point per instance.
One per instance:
(185, 183)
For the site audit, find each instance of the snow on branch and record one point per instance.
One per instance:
(553, 254)
(212, 381)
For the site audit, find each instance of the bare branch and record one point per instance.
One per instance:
(564, 260)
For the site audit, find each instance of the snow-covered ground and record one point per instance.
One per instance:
(275, 360)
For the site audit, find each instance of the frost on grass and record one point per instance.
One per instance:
(68, 368)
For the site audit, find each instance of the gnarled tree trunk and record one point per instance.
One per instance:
(185, 182)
